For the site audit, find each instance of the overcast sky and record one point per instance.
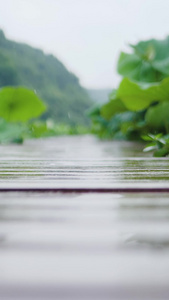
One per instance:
(86, 35)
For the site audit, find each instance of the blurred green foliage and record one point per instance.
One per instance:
(22, 65)
(19, 108)
(17, 132)
(140, 105)
(19, 104)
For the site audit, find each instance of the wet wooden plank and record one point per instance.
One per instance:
(80, 245)
(81, 163)
(96, 246)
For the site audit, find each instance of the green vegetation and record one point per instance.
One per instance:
(18, 106)
(18, 109)
(157, 143)
(139, 108)
(18, 132)
(22, 65)
(25, 73)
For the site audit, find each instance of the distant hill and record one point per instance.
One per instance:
(99, 96)
(22, 65)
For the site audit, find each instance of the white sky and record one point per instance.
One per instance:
(86, 35)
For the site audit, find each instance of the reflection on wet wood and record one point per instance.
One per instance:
(56, 245)
(80, 162)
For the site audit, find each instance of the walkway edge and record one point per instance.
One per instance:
(87, 190)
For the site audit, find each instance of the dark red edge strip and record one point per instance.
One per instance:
(87, 190)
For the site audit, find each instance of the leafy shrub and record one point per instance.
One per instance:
(140, 105)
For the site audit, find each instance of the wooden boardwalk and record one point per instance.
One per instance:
(83, 219)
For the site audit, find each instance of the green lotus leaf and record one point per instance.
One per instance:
(111, 108)
(19, 104)
(133, 67)
(152, 50)
(149, 61)
(162, 66)
(157, 117)
(139, 96)
(114, 106)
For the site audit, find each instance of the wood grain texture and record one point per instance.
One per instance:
(82, 219)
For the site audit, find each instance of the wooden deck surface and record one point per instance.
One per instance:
(78, 245)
